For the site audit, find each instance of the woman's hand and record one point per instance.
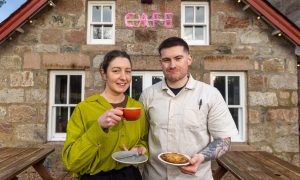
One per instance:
(110, 118)
(140, 149)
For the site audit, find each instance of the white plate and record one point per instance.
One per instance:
(166, 162)
(137, 159)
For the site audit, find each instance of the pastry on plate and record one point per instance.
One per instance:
(175, 158)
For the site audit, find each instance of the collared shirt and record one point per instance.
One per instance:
(88, 148)
(181, 123)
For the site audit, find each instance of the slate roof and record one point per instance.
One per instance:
(288, 8)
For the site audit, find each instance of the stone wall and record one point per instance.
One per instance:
(239, 42)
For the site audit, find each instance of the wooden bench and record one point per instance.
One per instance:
(15, 160)
(255, 165)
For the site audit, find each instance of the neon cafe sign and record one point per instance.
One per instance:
(133, 20)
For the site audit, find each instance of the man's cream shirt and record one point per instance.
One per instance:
(182, 124)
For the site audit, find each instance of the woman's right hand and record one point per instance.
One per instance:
(110, 118)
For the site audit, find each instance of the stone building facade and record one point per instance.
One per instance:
(56, 40)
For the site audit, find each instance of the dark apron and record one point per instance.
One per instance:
(127, 173)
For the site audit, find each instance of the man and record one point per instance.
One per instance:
(185, 116)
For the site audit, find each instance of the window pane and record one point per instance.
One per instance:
(235, 115)
(71, 109)
(61, 89)
(97, 33)
(199, 14)
(61, 119)
(189, 14)
(233, 90)
(188, 32)
(75, 89)
(199, 33)
(156, 79)
(137, 86)
(219, 83)
(107, 32)
(107, 14)
(96, 15)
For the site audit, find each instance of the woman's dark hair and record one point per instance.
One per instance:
(173, 41)
(111, 56)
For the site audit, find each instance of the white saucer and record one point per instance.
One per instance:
(132, 159)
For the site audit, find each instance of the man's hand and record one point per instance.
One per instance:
(195, 162)
(214, 150)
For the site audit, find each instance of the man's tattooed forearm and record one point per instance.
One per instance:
(216, 149)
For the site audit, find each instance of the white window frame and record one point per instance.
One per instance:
(205, 24)
(90, 24)
(52, 135)
(241, 137)
(147, 78)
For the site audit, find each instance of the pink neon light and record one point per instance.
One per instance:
(168, 20)
(155, 18)
(127, 16)
(143, 20)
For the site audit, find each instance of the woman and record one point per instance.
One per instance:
(96, 128)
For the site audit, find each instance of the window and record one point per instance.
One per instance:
(66, 91)
(142, 80)
(232, 87)
(195, 23)
(101, 22)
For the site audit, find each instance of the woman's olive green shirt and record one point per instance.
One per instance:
(88, 148)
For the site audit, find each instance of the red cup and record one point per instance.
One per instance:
(132, 114)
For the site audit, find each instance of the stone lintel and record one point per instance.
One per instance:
(65, 61)
(221, 62)
(98, 48)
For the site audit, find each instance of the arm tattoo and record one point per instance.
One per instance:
(216, 149)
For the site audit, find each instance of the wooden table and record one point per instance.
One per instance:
(15, 160)
(255, 165)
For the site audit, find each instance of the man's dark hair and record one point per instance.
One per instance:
(173, 41)
(111, 56)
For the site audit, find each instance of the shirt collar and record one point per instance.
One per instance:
(189, 85)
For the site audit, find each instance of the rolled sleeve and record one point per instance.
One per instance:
(220, 121)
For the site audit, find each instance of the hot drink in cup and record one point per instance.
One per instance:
(132, 114)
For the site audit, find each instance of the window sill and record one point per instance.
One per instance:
(98, 47)
(236, 146)
(203, 47)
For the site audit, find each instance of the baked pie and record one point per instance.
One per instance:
(174, 158)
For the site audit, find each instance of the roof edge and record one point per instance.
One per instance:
(22, 15)
(280, 22)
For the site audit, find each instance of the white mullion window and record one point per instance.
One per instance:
(66, 91)
(226, 89)
(195, 22)
(101, 22)
(142, 80)
(232, 87)
(68, 88)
